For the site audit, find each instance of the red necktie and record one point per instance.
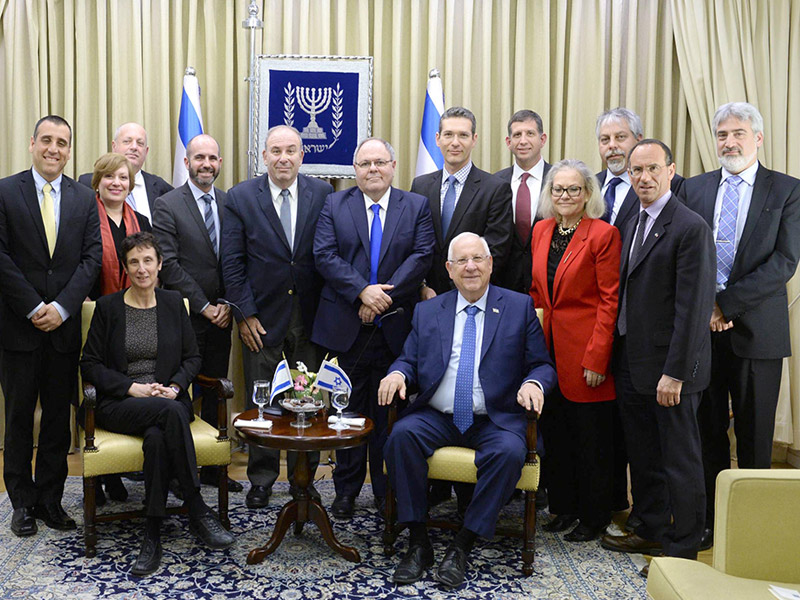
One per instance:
(522, 214)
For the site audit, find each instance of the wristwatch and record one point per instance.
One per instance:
(176, 389)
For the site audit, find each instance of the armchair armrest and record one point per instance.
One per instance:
(530, 435)
(392, 416)
(224, 390)
(89, 404)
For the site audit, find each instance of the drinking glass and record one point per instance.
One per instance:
(340, 398)
(260, 396)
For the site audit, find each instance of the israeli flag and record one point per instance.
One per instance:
(429, 157)
(281, 380)
(330, 375)
(190, 124)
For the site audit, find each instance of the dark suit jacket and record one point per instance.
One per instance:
(512, 351)
(516, 275)
(260, 271)
(484, 207)
(341, 252)
(28, 275)
(104, 363)
(630, 206)
(670, 292)
(153, 184)
(766, 258)
(190, 264)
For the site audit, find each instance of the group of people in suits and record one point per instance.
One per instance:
(660, 297)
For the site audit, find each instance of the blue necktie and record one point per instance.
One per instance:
(610, 195)
(462, 403)
(726, 230)
(449, 205)
(286, 216)
(375, 235)
(209, 219)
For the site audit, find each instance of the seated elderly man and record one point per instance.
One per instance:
(478, 356)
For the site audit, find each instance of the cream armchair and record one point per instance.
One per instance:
(756, 542)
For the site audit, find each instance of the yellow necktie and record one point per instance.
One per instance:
(49, 218)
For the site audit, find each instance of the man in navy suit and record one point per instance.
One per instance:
(50, 254)
(187, 224)
(462, 197)
(755, 216)
(477, 356)
(268, 270)
(373, 247)
(525, 140)
(130, 139)
(662, 358)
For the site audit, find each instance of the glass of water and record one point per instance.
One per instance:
(261, 396)
(340, 398)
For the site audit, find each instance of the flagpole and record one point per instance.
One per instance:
(252, 23)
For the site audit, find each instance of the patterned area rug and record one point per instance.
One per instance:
(51, 565)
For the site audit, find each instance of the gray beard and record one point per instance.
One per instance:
(735, 164)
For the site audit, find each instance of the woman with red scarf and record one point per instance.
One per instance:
(112, 181)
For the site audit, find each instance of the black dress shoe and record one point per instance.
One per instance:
(412, 566)
(582, 533)
(707, 540)
(115, 488)
(23, 522)
(210, 531)
(631, 543)
(343, 506)
(258, 496)
(313, 494)
(54, 516)
(99, 496)
(560, 523)
(210, 476)
(633, 523)
(149, 558)
(452, 568)
(541, 498)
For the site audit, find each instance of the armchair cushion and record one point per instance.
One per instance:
(120, 453)
(454, 463)
(683, 579)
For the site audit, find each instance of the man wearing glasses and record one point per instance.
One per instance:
(373, 247)
(663, 357)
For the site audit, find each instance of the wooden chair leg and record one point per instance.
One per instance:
(390, 522)
(528, 533)
(89, 513)
(222, 500)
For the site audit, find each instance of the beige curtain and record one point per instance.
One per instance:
(105, 62)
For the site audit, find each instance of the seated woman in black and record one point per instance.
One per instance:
(141, 355)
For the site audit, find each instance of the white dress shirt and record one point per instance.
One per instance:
(745, 190)
(142, 204)
(383, 203)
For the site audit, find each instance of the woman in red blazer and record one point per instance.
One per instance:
(575, 281)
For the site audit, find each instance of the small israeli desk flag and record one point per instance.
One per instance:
(190, 124)
(429, 157)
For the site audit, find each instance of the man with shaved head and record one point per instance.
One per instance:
(269, 273)
(188, 230)
(130, 139)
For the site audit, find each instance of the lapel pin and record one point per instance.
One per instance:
(655, 234)
(494, 310)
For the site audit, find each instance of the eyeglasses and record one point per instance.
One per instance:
(652, 170)
(573, 191)
(477, 259)
(366, 164)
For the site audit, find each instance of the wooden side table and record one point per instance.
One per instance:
(318, 437)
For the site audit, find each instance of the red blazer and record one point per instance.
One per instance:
(580, 319)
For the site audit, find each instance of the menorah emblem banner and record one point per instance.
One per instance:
(328, 99)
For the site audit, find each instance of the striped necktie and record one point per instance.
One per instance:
(726, 229)
(209, 219)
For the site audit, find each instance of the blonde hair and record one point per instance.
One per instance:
(594, 208)
(109, 163)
